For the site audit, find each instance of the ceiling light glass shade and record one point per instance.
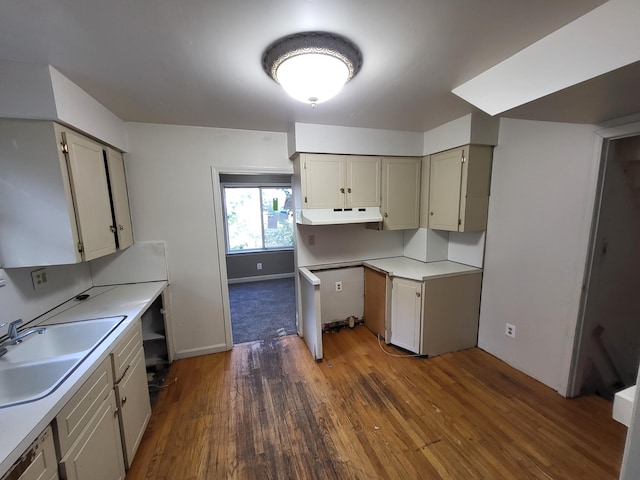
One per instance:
(312, 67)
(313, 77)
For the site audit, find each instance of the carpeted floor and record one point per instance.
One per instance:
(261, 310)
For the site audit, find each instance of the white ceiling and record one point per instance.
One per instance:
(197, 62)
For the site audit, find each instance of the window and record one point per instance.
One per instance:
(258, 218)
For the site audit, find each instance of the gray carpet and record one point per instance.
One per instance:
(262, 310)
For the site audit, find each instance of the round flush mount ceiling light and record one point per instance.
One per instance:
(312, 67)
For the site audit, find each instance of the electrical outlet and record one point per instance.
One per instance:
(39, 278)
(259, 266)
(510, 330)
(339, 286)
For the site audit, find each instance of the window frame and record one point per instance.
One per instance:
(259, 186)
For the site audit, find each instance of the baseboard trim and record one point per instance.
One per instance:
(260, 278)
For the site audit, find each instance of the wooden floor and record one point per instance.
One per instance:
(267, 410)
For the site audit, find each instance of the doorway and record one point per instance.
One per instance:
(259, 255)
(608, 351)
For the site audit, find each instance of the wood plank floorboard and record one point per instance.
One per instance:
(266, 410)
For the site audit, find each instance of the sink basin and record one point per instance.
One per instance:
(27, 382)
(35, 367)
(61, 339)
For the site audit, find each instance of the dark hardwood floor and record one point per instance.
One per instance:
(267, 410)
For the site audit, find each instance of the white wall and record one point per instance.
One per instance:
(305, 137)
(20, 300)
(542, 193)
(345, 243)
(171, 194)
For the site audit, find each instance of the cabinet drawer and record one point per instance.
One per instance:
(75, 415)
(123, 353)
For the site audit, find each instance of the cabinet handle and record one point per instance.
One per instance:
(348, 190)
(124, 400)
(112, 228)
(115, 412)
(417, 295)
(386, 214)
(431, 213)
(342, 190)
(121, 227)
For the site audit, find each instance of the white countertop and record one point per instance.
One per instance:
(415, 270)
(623, 405)
(21, 424)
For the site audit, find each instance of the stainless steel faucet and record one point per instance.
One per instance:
(15, 337)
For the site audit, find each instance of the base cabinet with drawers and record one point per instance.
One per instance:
(87, 430)
(100, 428)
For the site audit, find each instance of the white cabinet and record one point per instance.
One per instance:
(400, 193)
(87, 430)
(55, 204)
(119, 198)
(437, 315)
(338, 181)
(406, 313)
(459, 184)
(38, 462)
(132, 394)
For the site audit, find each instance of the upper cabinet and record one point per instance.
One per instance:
(119, 198)
(339, 181)
(400, 193)
(56, 197)
(459, 181)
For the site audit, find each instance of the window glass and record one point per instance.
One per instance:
(258, 218)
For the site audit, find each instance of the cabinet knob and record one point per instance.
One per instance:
(124, 400)
(112, 228)
(431, 213)
(348, 190)
(418, 294)
(342, 190)
(386, 214)
(121, 227)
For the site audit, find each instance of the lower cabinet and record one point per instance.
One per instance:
(437, 315)
(97, 450)
(87, 430)
(38, 462)
(134, 405)
(99, 430)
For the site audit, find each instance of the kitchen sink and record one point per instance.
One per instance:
(61, 339)
(29, 381)
(35, 367)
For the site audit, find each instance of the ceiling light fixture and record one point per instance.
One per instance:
(312, 67)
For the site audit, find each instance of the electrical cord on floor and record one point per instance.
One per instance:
(160, 387)
(395, 354)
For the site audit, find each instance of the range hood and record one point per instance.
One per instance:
(337, 216)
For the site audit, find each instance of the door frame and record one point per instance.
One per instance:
(218, 209)
(604, 138)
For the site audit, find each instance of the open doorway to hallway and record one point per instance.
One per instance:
(608, 353)
(258, 222)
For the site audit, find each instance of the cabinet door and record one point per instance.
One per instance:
(98, 450)
(363, 181)
(38, 462)
(132, 394)
(400, 193)
(375, 301)
(444, 190)
(406, 313)
(324, 182)
(119, 199)
(90, 195)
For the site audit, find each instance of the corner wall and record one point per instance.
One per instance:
(542, 193)
(171, 194)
